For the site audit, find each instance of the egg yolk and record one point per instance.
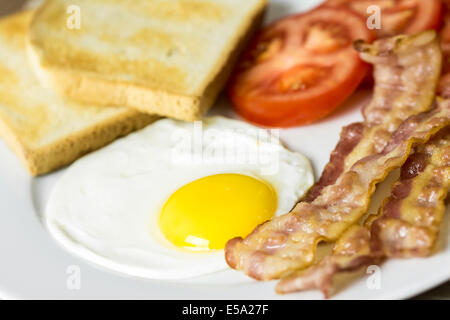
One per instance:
(206, 213)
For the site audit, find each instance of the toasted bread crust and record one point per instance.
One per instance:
(45, 131)
(68, 149)
(91, 88)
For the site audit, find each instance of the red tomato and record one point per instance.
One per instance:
(398, 16)
(300, 68)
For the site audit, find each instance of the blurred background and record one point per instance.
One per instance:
(7, 6)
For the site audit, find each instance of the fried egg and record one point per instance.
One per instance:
(162, 203)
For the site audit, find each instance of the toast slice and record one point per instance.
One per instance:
(168, 57)
(43, 129)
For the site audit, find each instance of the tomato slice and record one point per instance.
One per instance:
(300, 68)
(398, 16)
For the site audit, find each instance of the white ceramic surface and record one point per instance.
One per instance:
(32, 265)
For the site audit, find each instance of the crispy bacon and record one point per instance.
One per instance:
(410, 218)
(406, 73)
(289, 242)
(350, 253)
(407, 224)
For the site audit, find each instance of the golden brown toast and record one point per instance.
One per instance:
(168, 57)
(43, 129)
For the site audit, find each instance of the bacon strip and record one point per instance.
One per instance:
(410, 218)
(394, 99)
(289, 242)
(407, 224)
(351, 252)
(406, 73)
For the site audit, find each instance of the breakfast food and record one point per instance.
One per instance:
(406, 71)
(170, 58)
(46, 131)
(300, 68)
(406, 226)
(353, 249)
(350, 252)
(335, 188)
(410, 218)
(161, 203)
(396, 16)
(303, 66)
(288, 242)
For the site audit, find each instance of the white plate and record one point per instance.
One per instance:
(32, 265)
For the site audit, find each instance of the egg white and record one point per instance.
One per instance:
(106, 206)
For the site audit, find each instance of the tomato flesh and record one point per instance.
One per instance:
(397, 16)
(300, 68)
